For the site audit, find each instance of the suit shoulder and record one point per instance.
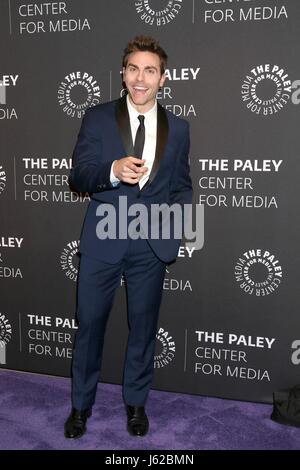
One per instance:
(177, 121)
(101, 109)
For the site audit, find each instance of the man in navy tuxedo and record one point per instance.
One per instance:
(133, 149)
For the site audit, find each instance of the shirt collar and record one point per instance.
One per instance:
(133, 113)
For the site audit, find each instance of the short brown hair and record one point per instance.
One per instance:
(149, 44)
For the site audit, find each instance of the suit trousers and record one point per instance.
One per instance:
(97, 284)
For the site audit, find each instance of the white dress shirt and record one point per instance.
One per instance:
(150, 138)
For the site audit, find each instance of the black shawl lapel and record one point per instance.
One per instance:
(122, 116)
(161, 140)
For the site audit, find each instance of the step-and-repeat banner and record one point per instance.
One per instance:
(229, 323)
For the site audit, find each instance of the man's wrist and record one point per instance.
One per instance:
(113, 179)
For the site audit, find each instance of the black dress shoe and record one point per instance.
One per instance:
(137, 422)
(75, 426)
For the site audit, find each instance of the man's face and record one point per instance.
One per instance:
(143, 79)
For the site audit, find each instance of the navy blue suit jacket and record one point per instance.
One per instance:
(105, 136)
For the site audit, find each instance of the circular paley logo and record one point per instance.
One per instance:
(258, 272)
(5, 330)
(77, 92)
(69, 260)
(165, 350)
(158, 12)
(266, 89)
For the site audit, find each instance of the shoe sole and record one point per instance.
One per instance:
(76, 437)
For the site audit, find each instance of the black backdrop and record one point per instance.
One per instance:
(229, 323)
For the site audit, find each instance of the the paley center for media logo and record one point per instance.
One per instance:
(69, 260)
(266, 89)
(5, 336)
(166, 349)
(77, 92)
(258, 272)
(158, 12)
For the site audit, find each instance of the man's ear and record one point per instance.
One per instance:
(162, 80)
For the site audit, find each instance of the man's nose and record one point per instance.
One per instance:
(140, 75)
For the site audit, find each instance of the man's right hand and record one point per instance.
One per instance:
(129, 169)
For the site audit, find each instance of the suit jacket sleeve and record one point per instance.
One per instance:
(181, 190)
(89, 173)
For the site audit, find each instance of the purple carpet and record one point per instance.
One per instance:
(33, 409)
